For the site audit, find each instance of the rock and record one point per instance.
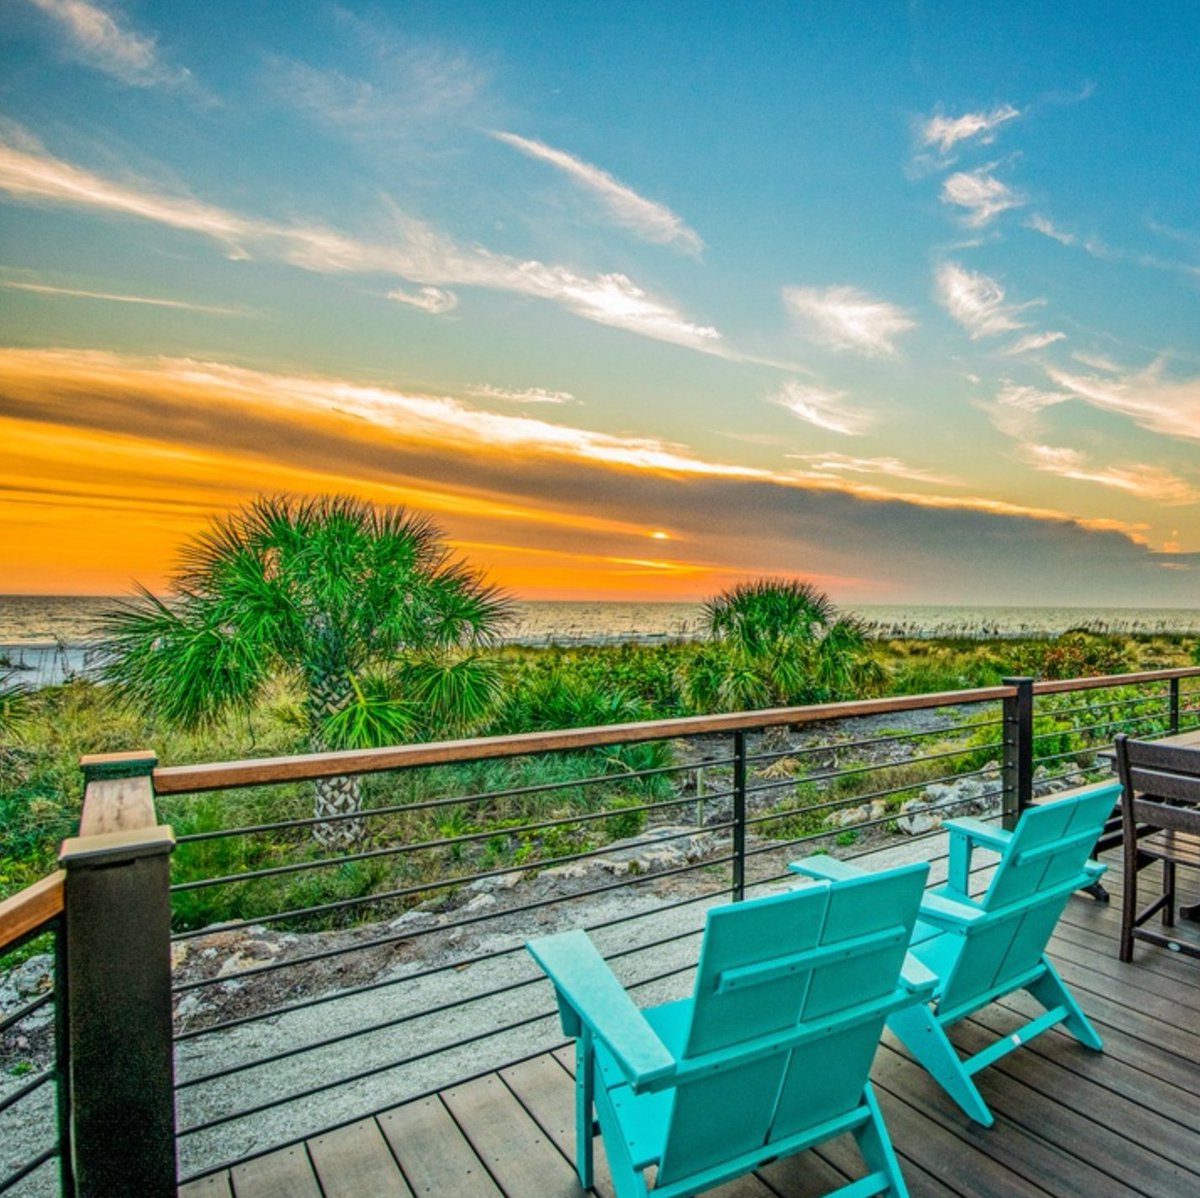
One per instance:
(498, 881)
(190, 1005)
(916, 818)
(481, 902)
(413, 921)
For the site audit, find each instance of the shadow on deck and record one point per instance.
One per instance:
(1068, 1122)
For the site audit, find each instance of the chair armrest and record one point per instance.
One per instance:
(946, 912)
(826, 868)
(919, 980)
(979, 832)
(589, 990)
(965, 834)
(1094, 869)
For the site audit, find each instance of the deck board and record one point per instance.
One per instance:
(1070, 1123)
(356, 1160)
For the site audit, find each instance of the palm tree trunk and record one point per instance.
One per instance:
(337, 796)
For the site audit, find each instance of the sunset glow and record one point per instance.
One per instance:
(623, 326)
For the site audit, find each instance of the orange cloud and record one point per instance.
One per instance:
(112, 461)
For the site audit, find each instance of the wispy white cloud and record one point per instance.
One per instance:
(1034, 341)
(1048, 228)
(823, 408)
(1098, 248)
(1154, 484)
(117, 298)
(406, 88)
(648, 219)
(977, 301)
(944, 132)
(1099, 362)
(520, 395)
(980, 194)
(434, 300)
(94, 36)
(416, 252)
(845, 318)
(1170, 407)
(824, 465)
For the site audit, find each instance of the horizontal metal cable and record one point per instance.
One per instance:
(835, 804)
(28, 1088)
(29, 1167)
(25, 1011)
(496, 954)
(451, 1005)
(1156, 697)
(915, 734)
(855, 771)
(461, 923)
(375, 1070)
(444, 842)
(416, 888)
(426, 804)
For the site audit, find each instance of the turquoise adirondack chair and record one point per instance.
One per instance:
(769, 1055)
(983, 948)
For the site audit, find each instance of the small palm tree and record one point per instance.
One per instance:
(15, 695)
(362, 605)
(777, 643)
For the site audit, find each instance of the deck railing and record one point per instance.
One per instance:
(234, 986)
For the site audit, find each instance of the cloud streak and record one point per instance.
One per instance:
(646, 218)
(181, 438)
(416, 252)
(980, 194)
(433, 300)
(93, 36)
(944, 132)
(822, 408)
(521, 395)
(117, 298)
(977, 301)
(845, 318)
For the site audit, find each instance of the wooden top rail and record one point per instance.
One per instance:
(188, 779)
(1083, 684)
(28, 909)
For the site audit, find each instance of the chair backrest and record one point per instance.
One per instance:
(826, 952)
(1160, 783)
(1040, 867)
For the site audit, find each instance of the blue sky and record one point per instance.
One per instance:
(635, 300)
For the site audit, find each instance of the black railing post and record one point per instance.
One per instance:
(1173, 704)
(739, 816)
(1017, 767)
(120, 1132)
(62, 1061)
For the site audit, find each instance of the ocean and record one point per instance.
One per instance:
(47, 636)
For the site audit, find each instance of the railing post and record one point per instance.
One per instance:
(120, 1100)
(1173, 704)
(739, 816)
(1017, 767)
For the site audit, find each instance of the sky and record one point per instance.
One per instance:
(637, 301)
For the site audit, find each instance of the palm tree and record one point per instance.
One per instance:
(777, 643)
(15, 695)
(362, 605)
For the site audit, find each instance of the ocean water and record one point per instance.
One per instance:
(48, 635)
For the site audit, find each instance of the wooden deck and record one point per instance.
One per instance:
(1068, 1122)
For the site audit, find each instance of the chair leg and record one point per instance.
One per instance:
(1129, 900)
(923, 1036)
(627, 1182)
(876, 1147)
(585, 1096)
(1051, 991)
(1168, 915)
